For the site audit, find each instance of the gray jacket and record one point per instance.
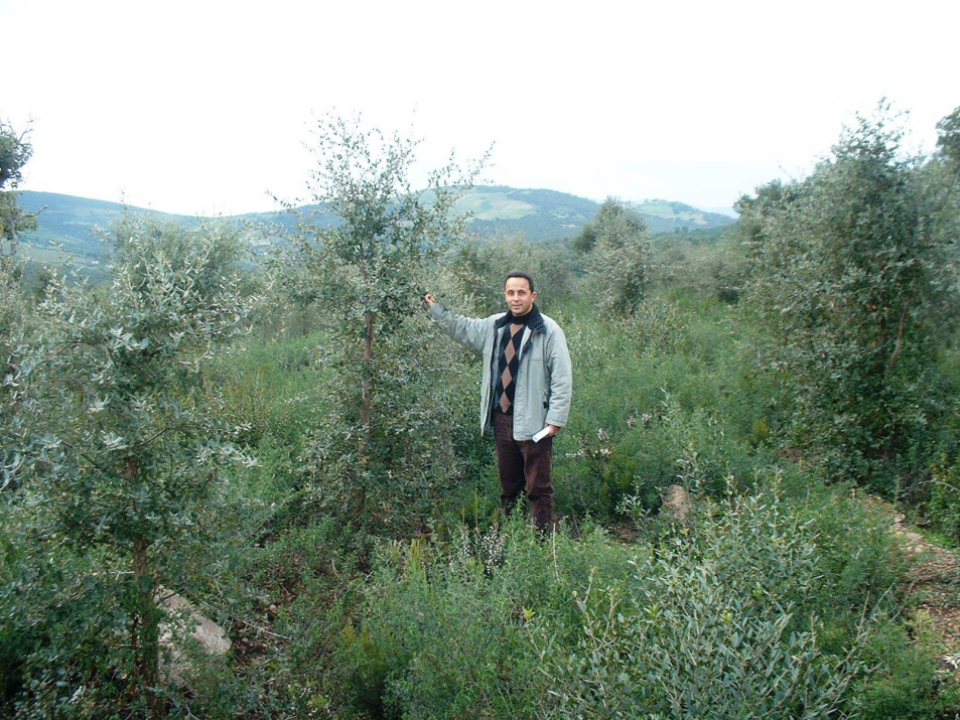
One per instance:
(545, 376)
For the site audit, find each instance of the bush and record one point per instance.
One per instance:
(860, 560)
(944, 506)
(443, 628)
(719, 629)
(905, 684)
(851, 274)
(668, 445)
(62, 650)
(394, 476)
(616, 252)
(721, 620)
(716, 269)
(479, 269)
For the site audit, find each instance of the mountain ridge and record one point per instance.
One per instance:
(539, 214)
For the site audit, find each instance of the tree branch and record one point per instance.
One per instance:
(899, 345)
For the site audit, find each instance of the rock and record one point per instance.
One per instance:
(676, 504)
(183, 619)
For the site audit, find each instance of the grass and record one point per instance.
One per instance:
(492, 205)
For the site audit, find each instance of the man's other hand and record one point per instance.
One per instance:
(429, 301)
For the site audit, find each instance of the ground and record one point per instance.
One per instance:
(933, 582)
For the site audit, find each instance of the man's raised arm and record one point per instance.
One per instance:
(469, 331)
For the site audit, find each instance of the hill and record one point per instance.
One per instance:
(668, 216)
(537, 214)
(72, 222)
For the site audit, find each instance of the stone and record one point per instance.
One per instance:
(183, 619)
(676, 504)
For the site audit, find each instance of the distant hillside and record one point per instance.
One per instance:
(538, 215)
(72, 221)
(666, 216)
(550, 215)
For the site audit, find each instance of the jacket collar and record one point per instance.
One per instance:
(534, 322)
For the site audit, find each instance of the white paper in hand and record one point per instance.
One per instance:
(541, 435)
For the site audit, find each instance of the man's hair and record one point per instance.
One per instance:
(518, 274)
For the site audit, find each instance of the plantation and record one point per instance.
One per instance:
(287, 441)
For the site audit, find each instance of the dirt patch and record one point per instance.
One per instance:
(933, 581)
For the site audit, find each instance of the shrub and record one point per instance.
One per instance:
(944, 504)
(443, 628)
(860, 560)
(62, 650)
(633, 466)
(616, 253)
(479, 269)
(393, 476)
(715, 622)
(905, 684)
(719, 629)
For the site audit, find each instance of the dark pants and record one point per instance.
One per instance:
(524, 465)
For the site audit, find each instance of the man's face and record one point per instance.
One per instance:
(518, 295)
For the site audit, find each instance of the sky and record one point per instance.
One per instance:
(206, 107)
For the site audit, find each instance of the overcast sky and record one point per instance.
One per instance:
(203, 107)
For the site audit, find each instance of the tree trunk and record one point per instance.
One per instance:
(145, 628)
(899, 345)
(12, 234)
(367, 380)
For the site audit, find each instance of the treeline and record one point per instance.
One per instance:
(286, 441)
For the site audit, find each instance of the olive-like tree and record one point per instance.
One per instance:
(948, 138)
(11, 319)
(125, 453)
(858, 291)
(15, 151)
(616, 255)
(365, 257)
(367, 266)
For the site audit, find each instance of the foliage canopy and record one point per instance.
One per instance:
(15, 151)
(122, 449)
(856, 286)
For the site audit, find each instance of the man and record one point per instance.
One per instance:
(526, 389)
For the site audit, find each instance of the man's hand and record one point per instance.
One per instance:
(429, 301)
(554, 429)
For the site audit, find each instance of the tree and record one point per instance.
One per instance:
(940, 186)
(125, 454)
(753, 211)
(367, 272)
(15, 151)
(616, 253)
(479, 268)
(948, 140)
(856, 289)
(11, 321)
(368, 268)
